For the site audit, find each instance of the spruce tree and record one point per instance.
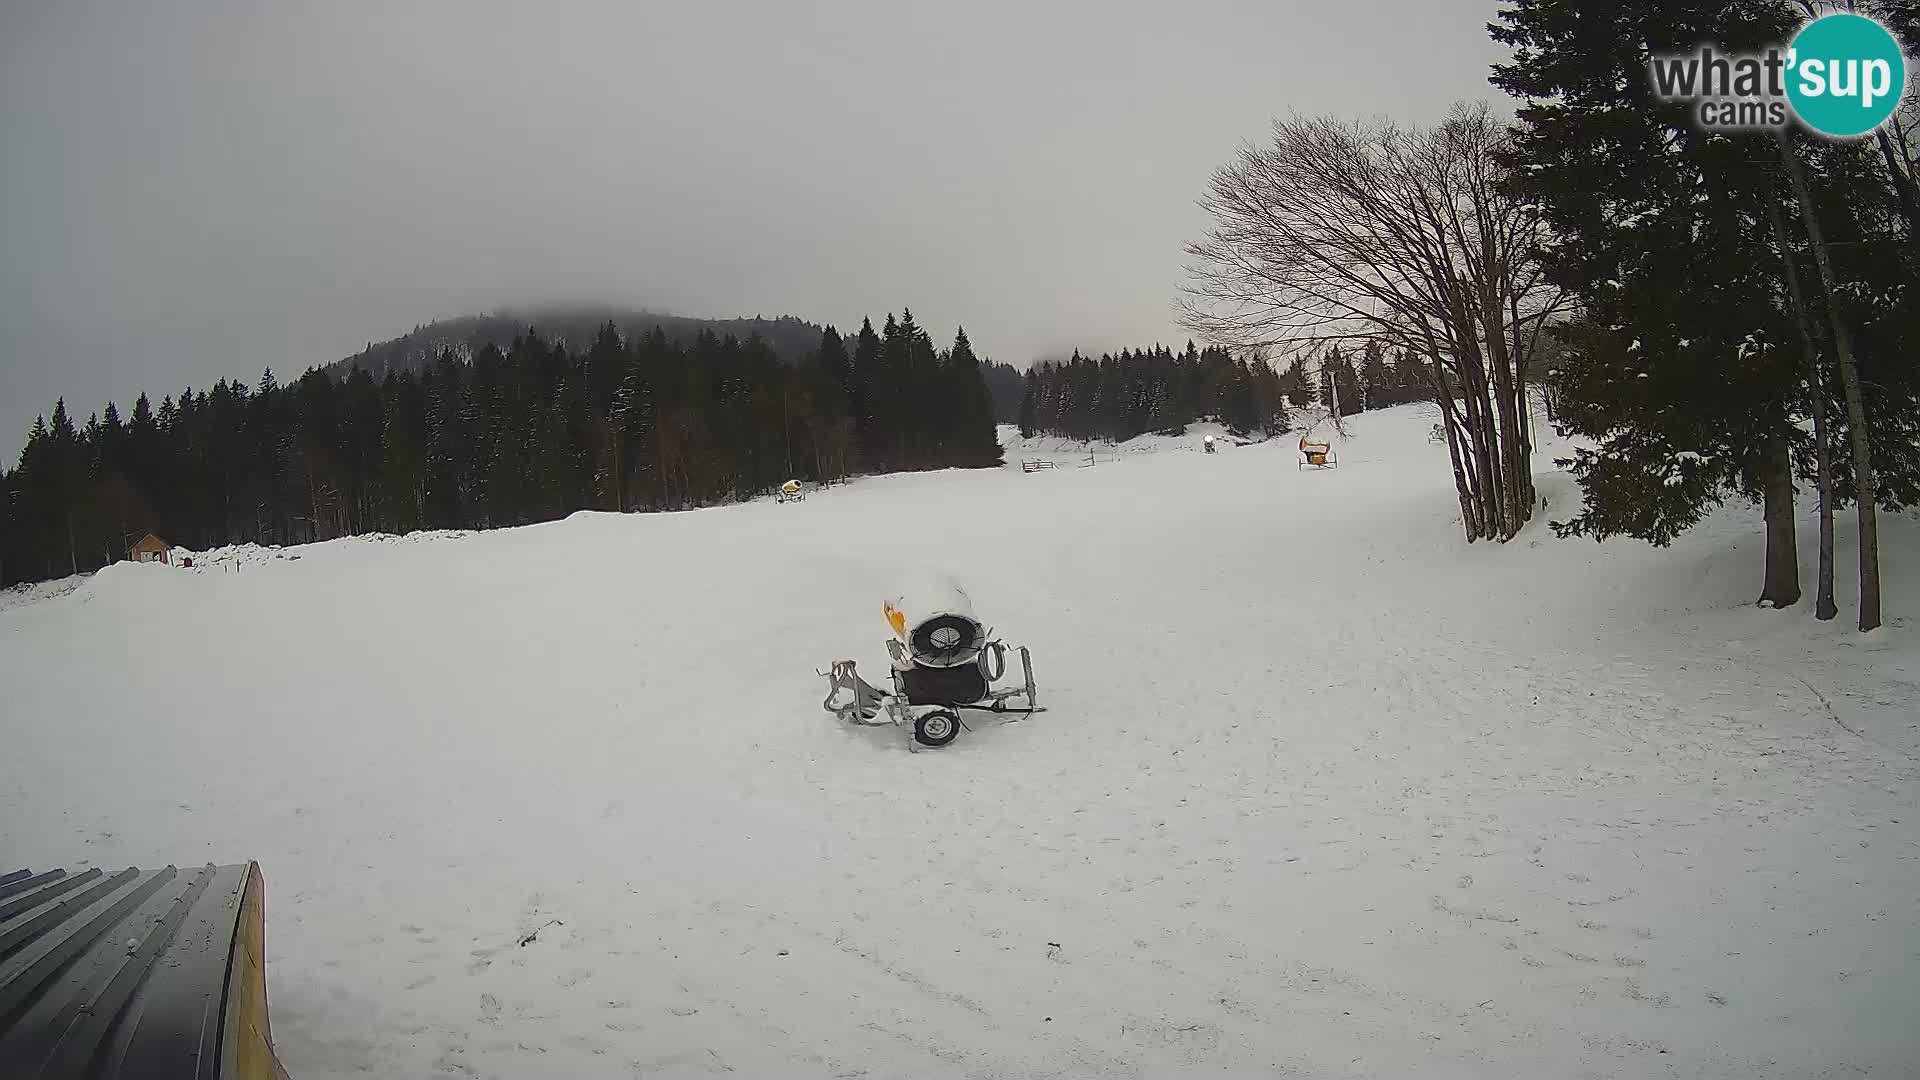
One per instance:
(837, 367)
(1683, 372)
(1375, 380)
(970, 410)
(869, 361)
(1297, 384)
(635, 417)
(1339, 382)
(1030, 401)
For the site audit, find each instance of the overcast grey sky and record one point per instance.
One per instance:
(191, 190)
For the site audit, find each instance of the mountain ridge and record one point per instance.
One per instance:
(575, 325)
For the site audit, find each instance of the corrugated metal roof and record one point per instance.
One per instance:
(116, 974)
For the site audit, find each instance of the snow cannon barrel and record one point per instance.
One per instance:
(935, 623)
(156, 974)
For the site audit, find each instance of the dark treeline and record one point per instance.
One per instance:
(1137, 392)
(1150, 390)
(1369, 379)
(527, 433)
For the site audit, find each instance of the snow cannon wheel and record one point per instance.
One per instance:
(937, 728)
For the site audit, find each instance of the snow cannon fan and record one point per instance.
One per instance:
(945, 639)
(933, 623)
(944, 660)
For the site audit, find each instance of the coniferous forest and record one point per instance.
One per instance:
(528, 433)
(1151, 390)
(1156, 390)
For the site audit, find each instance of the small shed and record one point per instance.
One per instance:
(151, 548)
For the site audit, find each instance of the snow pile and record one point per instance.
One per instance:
(1321, 790)
(237, 557)
(230, 558)
(14, 596)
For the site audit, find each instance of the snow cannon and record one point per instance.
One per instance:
(1319, 455)
(941, 631)
(944, 660)
(789, 492)
(156, 974)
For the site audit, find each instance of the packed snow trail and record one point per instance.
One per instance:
(1321, 791)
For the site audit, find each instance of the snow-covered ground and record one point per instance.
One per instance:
(1322, 791)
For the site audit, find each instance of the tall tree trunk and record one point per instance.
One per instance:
(1782, 586)
(1471, 520)
(1517, 500)
(1824, 607)
(1515, 469)
(1865, 489)
(1481, 438)
(1485, 417)
(1522, 389)
(1472, 370)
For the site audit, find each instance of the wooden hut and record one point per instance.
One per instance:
(151, 548)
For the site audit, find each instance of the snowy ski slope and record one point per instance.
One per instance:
(1322, 791)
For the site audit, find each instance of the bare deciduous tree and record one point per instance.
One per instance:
(1342, 231)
